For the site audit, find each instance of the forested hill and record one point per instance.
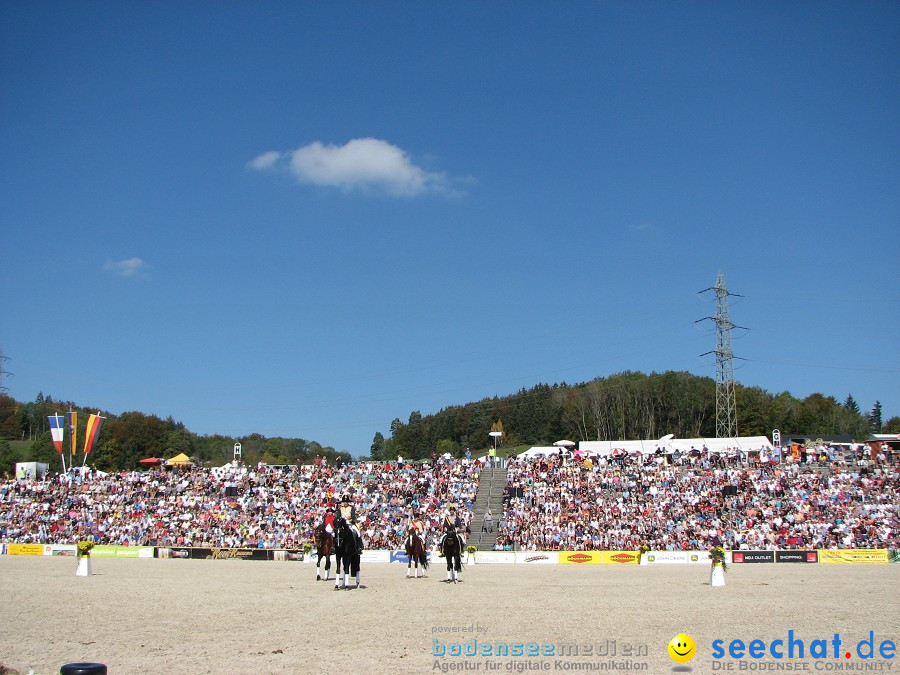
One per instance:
(627, 405)
(127, 438)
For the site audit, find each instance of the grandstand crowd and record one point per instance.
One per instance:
(557, 503)
(233, 506)
(552, 503)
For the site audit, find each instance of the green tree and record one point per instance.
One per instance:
(446, 445)
(9, 418)
(180, 440)
(851, 405)
(874, 418)
(8, 458)
(376, 451)
(105, 456)
(43, 450)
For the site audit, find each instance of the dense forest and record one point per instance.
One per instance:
(624, 406)
(628, 405)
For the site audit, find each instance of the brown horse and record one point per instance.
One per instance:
(415, 552)
(324, 546)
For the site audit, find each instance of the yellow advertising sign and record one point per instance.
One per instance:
(870, 556)
(25, 549)
(619, 557)
(579, 557)
(598, 557)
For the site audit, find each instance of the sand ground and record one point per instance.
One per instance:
(228, 616)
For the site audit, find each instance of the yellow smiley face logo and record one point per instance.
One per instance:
(682, 648)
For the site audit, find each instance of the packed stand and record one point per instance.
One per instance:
(560, 503)
(234, 506)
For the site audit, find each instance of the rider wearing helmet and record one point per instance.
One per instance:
(328, 519)
(347, 510)
(452, 524)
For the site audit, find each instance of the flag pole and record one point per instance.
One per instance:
(93, 440)
(59, 447)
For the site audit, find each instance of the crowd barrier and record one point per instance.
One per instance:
(821, 556)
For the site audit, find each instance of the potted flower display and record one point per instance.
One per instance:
(718, 566)
(643, 550)
(470, 553)
(84, 558)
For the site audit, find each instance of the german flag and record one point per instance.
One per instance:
(92, 432)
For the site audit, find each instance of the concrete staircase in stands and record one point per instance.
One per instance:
(491, 487)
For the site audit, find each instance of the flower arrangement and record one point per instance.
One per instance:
(717, 556)
(84, 548)
(307, 547)
(643, 549)
(471, 549)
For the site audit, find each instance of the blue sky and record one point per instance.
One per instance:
(307, 219)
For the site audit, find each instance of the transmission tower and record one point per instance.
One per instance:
(726, 407)
(3, 372)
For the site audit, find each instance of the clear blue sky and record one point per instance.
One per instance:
(307, 219)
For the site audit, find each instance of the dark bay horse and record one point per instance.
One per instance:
(415, 551)
(347, 552)
(324, 545)
(451, 549)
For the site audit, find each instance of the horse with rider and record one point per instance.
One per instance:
(414, 544)
(452, 544)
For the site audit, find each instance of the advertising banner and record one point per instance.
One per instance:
(894, 555)
(232, 553)
(619, 557)
(796, 557)
(537, 557)
(379, 557)
(292, 554)
(863, 556)
(677, 557)
(25, 549)
(60, 549)
(101, 551)
(166, 552)
(753, 556)
(580, 557)
(491, 557)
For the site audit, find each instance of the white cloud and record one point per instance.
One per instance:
(265, 161)
(130, 267)
(370, 165)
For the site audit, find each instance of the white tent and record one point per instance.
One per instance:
(682, 445)
(538, 450)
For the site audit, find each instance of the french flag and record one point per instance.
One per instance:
(57, 430)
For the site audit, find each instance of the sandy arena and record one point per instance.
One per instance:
(226, 616)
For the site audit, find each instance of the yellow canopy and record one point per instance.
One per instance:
(178, 460)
